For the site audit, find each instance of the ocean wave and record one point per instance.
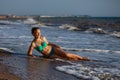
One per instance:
(115, 34)
(29, 21)
(5, 27)
(24, 36)
(6, 22)
(68, 27)
(6, 49)
(87, 72)
(97, 30)
(15, 37)
(91, 50)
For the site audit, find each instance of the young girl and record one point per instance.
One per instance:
(48, 49)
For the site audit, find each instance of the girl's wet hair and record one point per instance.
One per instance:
(33, 29)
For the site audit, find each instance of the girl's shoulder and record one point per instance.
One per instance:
(42, 38)
(33, 43)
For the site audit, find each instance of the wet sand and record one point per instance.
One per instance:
(6, 75)
(21, 67)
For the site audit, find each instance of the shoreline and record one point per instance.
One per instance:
(5, 73)
(17, 67)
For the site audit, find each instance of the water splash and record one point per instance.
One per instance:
(87, 72)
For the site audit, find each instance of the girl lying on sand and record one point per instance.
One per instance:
(48, 49)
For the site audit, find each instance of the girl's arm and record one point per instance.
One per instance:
(30, 50)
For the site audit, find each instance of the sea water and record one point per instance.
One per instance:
(102, 49)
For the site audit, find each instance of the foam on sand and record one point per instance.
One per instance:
(6, 49)
(86, 72)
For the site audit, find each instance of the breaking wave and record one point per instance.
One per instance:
(90, 73)
(91, 50)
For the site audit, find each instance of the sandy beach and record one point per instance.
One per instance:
(102, 49)
(5, 73)
(20, 67)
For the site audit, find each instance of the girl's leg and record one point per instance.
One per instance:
(62, 54)
(76, 57)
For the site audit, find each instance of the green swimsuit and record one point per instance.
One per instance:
(42, 47)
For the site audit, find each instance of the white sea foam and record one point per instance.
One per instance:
(69, 27)
(39, 25)
(7, 49)
(24, 36)
(29, 21)
(4, 27)
(9, 22)
(15, 37)
(91, 50)
(87, 72)
(115, 34)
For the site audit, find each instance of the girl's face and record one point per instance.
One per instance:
(37, 33)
